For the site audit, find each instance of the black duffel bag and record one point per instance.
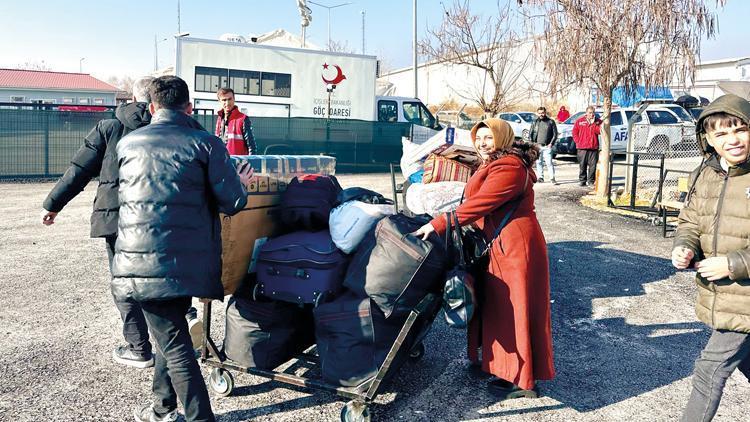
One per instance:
(395, 268)
(265, 334)
(353, 339)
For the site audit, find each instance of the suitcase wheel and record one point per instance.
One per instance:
(355, 411)
(417, 352)
(319, 298)
(221, 382)
(256, 292)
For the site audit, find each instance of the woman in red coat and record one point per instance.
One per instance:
(515, 324)
(563, 114)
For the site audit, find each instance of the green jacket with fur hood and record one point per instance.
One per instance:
(716, 222)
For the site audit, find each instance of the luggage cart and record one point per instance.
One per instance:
(411, 335)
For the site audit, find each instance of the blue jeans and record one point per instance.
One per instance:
(546, 156)
(724, 352)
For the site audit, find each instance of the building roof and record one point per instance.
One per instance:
(40, 79)
(720, 61)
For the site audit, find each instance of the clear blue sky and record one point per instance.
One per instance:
(117, 37)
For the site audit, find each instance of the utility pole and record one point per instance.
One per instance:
(363, 32)
(416, 88)
(329, 17)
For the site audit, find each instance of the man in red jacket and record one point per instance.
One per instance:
(586, 137)
(233, 127)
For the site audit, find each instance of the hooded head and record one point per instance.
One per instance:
(729, 104)
(503, 142)
(502, 135)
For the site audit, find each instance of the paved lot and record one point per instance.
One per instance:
(624, 329)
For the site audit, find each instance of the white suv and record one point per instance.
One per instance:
(520, 122)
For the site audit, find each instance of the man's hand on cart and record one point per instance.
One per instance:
(245, 171)
(48, 217)
(424, 231)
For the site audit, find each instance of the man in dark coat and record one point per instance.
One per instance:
(544, 133)
(175, 179)
(97, 157)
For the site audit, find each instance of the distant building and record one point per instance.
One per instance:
(45, 87)
(715, 78)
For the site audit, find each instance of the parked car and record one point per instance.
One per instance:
(520, 122)
(455, 118)
(661, 122)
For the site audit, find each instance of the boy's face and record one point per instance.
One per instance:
(731, 143)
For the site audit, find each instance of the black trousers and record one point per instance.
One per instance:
(134, 327)
(587, 159)
(176, 370)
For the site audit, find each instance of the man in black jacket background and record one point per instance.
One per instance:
(175, 179)
(97, 157)
(544, 132)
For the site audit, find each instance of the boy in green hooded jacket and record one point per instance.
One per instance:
(713, 236)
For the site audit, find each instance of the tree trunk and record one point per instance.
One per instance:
(605, 135)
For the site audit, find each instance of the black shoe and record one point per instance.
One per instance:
(540, 180)
(506, 390)
(583, 183)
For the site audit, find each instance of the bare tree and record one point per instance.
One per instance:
(33, 65)
(124, 83)
(620, 43)
(487, 44)
(340, 47)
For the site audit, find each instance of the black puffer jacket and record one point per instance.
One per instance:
(98, 157)
(175, 178)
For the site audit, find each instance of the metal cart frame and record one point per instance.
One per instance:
(361, 397)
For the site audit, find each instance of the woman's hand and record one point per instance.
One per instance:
(424, 231)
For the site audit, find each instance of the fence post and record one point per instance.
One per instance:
(609, 180)
(634, 180)
(46, 143)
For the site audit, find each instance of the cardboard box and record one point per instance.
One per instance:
(244, 232)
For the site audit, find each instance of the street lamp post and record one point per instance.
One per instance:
(156, 52)
(80, 64)
(329, 17)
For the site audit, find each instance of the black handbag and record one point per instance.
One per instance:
(459, 292)
(476, 247)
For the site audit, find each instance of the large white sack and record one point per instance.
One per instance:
(350, 221)
(434, 198)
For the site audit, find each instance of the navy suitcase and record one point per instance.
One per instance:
(300, 267)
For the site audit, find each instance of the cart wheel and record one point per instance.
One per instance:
(318, 299)
(256, 292)
(221, 382)
(355, 411)
(417, 352)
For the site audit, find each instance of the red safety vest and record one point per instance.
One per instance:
(234, 141)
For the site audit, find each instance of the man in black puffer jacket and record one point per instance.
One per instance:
(175, 179)
(98, 157)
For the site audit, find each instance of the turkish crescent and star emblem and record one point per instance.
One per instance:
(337, 79)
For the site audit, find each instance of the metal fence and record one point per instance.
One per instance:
(40, 143)
(665, 153)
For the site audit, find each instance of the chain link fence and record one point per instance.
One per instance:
(675, 146)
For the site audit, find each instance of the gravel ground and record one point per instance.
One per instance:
(624, 329)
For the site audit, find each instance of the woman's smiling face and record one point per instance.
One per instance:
(484, 142)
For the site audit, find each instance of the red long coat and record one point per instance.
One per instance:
(516, 324)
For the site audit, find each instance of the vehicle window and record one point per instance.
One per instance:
(615, 119)
(572, 119)
(629, 115)
(515, 119)
(661, 117)
(387, 111)
(681, 113)
(696, 112)
(418, 114)
(505, 117)
(528, 117)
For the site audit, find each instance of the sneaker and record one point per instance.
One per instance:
(125, 356)
(195, 328)
(146, 413)
(554, 182)
(583, 183)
